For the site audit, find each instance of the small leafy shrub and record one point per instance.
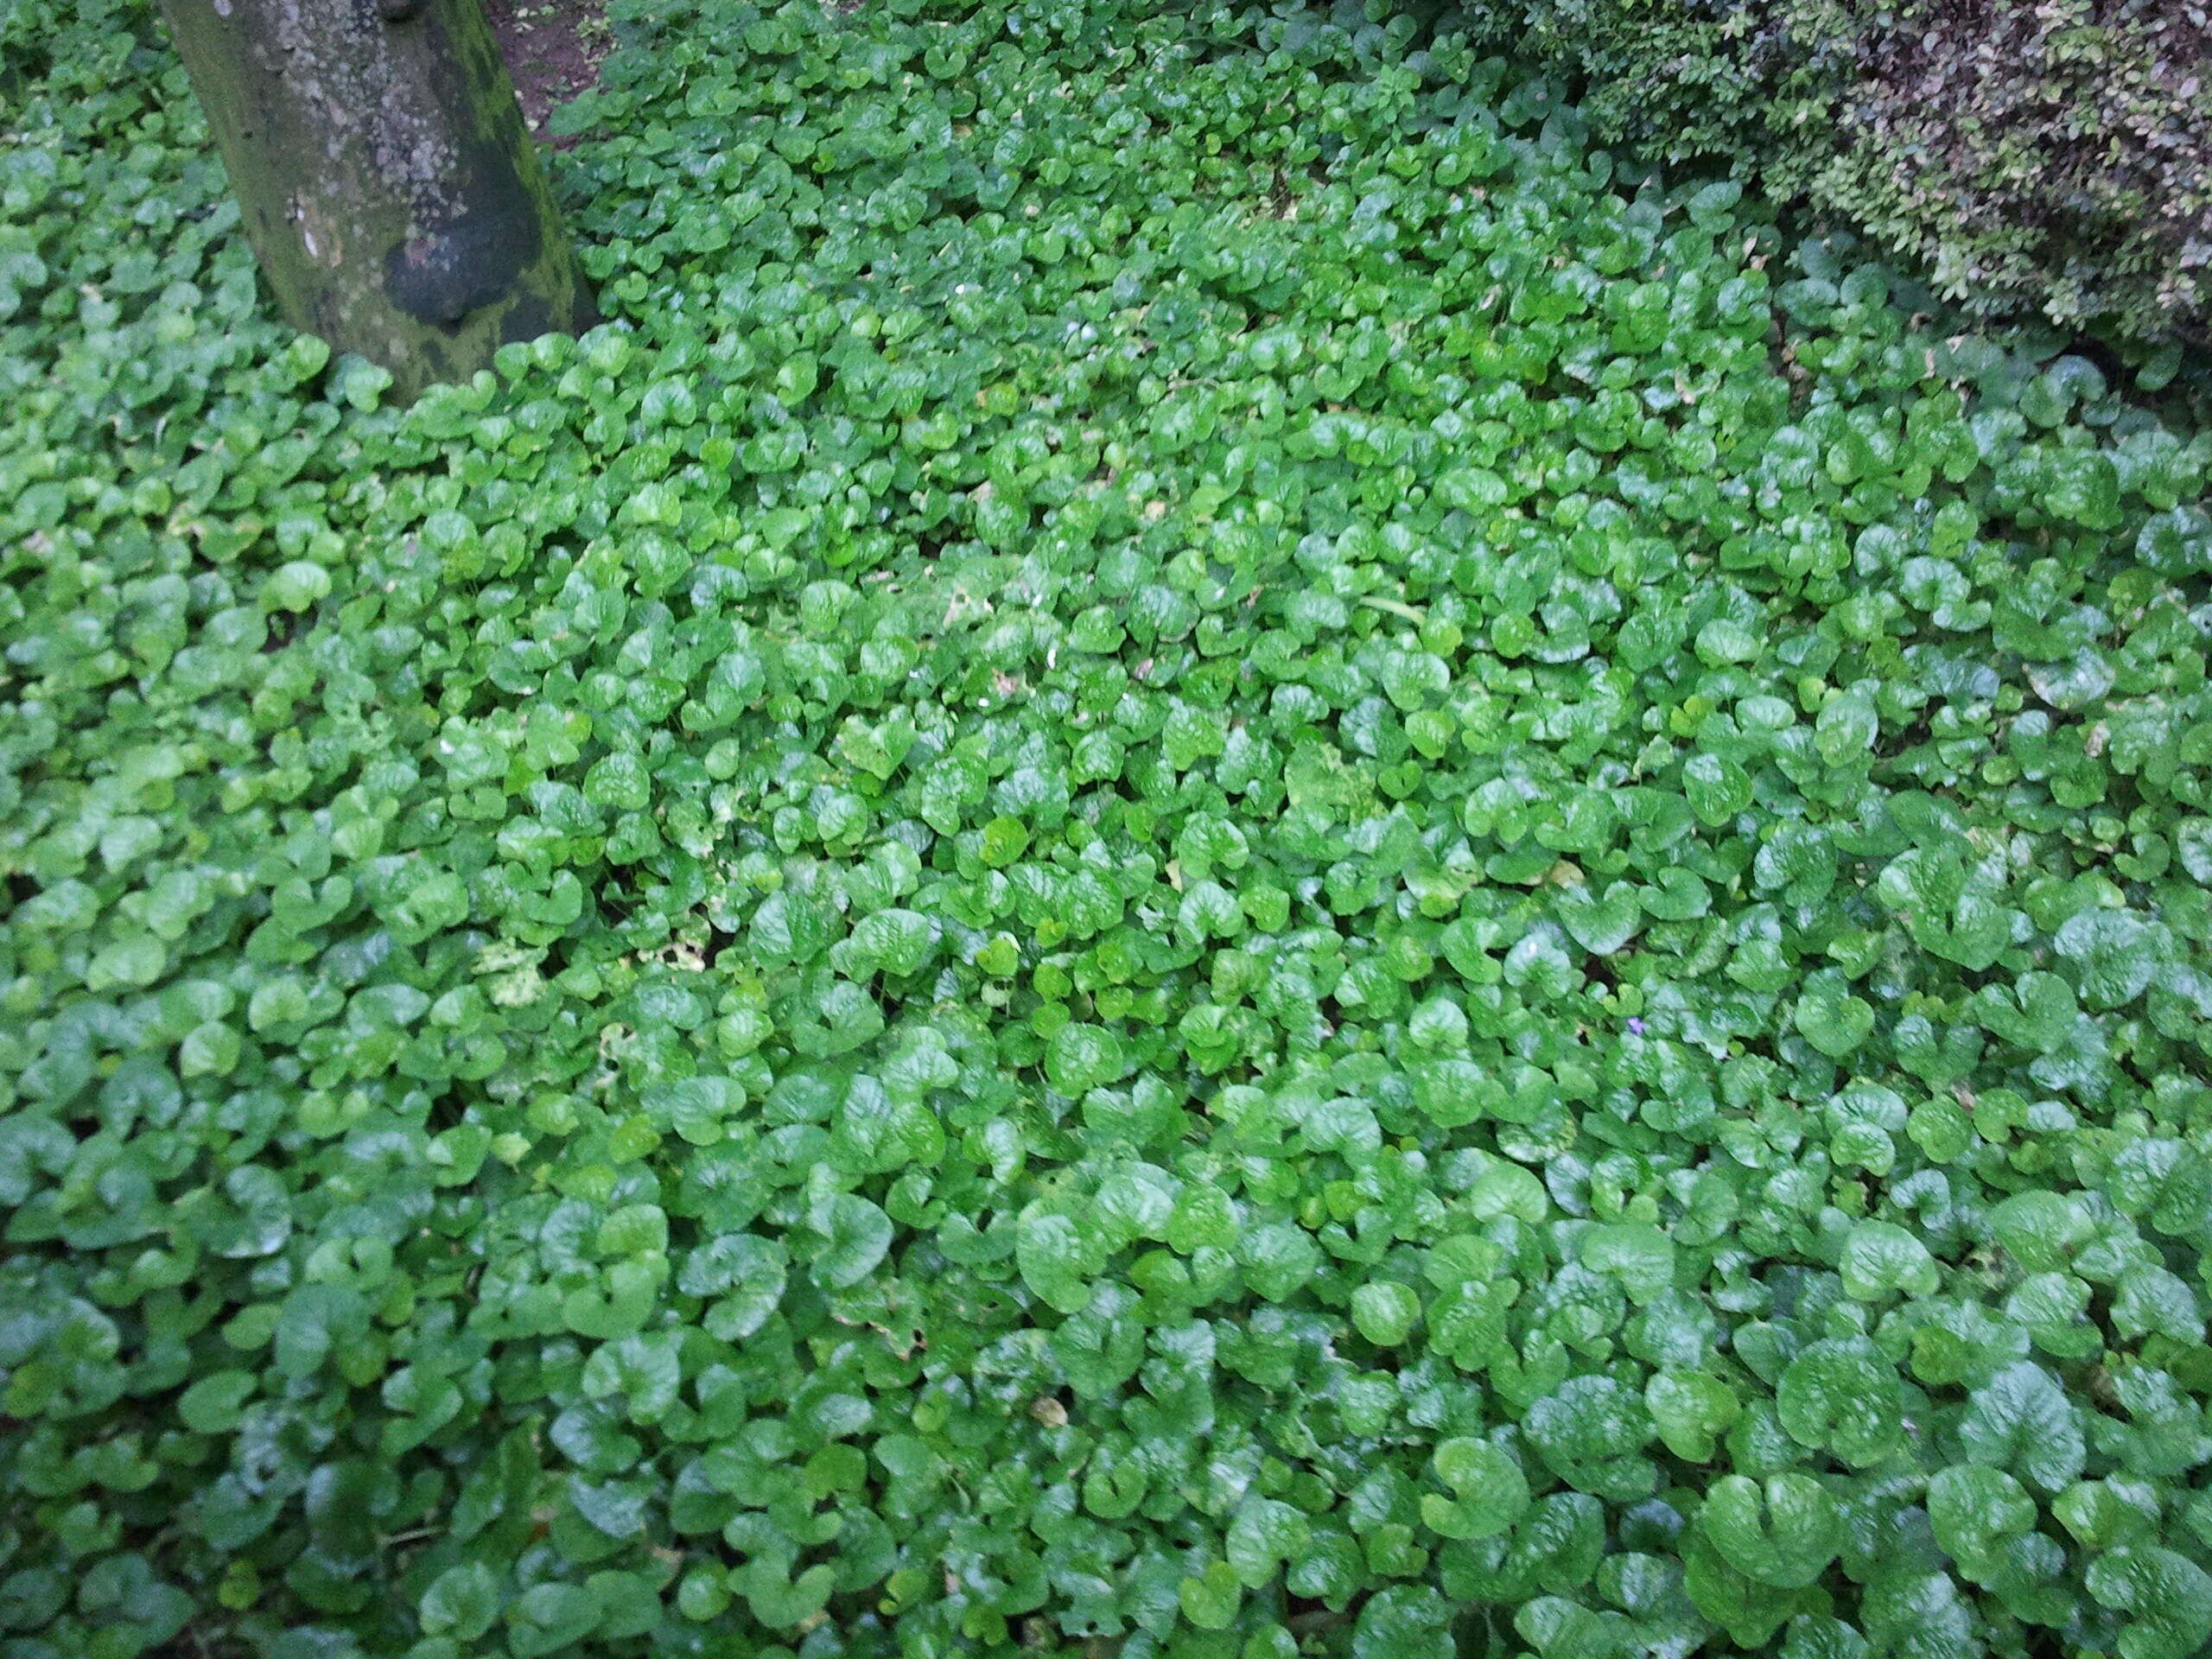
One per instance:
(2051, 158)
(1203, 858)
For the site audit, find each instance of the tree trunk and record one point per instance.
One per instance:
(387, 180)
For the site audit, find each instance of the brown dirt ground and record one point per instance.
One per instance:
(553, 49)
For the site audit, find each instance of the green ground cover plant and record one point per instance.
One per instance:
(1205, 856)
(2030, 158)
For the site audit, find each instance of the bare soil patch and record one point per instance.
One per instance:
(553, 49)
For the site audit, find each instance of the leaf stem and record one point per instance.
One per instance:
(1413, 613)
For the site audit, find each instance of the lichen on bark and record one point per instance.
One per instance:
(387, 180)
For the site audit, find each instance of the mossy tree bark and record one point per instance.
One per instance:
(388, 183)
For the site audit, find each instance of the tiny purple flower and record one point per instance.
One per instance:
(1635, 1026)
